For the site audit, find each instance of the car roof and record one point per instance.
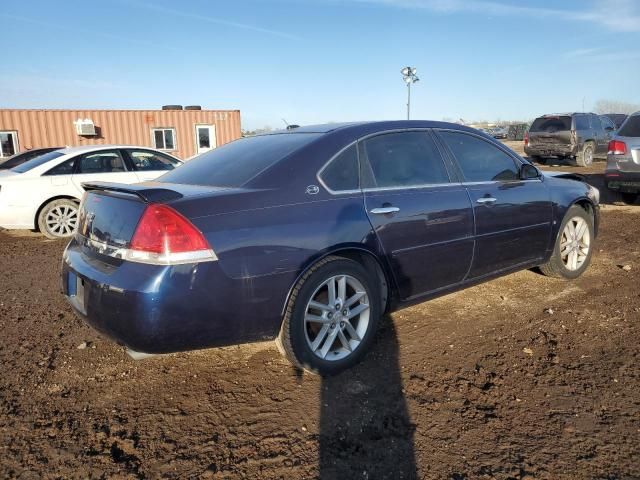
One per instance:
(91, 148)
(363, 128)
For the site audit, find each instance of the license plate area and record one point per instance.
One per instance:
(75, 289)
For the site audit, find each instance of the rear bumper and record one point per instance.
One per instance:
(163, 309)
(550, 150)
(624, 182)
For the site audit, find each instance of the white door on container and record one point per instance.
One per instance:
(205, 138)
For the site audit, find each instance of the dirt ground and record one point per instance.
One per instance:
(522, 377)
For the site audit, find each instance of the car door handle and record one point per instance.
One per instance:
(384, 210)
(486, 200)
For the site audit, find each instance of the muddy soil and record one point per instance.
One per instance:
(522, 377)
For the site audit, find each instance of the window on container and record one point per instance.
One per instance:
(164, 138)
(8, 144)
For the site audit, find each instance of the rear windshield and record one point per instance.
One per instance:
(235, 163)
(36, 162)
(551, 124)
(630, 128)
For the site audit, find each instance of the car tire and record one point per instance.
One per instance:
(629, 198)
(585, 157)
(59, 218)
(307, 337)
(561, 267)
(538, 159)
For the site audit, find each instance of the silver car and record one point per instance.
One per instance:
(623, 160)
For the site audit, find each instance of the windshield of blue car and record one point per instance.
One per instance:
(236, 163)
(631, 127)
(36, 162)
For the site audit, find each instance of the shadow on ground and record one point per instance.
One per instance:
(365, 428)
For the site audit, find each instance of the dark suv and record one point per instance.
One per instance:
(578, 136)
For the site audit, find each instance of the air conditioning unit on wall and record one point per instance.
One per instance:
(85, 127)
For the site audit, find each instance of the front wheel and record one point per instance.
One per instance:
(574, 244)
(331, 317)
(59, 218)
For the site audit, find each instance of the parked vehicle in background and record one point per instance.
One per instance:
(310, 235)
(577, 136)
(20, 158)
(617, 118)
(499, 133)
(44, 192)
(623, 160)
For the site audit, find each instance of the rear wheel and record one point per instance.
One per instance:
(630, 198)
(585, 157)
(331, 317)
(538, 159)
(572, 252)
(58, 219)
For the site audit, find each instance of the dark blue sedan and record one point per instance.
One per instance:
(310, 235)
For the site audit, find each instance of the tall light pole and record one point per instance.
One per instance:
(409, 76)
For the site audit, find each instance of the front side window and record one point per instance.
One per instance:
(607, 123)
(403, 159)
(109, 161)
(342, 173)
(164, 138)
(145, 160)
(479, 160)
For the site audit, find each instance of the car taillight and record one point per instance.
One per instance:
(165, 237)
(526, 139)
(616, 147)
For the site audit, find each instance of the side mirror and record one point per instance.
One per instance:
(609, 129)
(529, 172)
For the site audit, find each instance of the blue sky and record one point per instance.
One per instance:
(312, 61)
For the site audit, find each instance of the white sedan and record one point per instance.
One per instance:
(44, 193)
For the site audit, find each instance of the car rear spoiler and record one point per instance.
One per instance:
(147, 193)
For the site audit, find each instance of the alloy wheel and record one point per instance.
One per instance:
(337, 317)
(62, 220)
(575, 243)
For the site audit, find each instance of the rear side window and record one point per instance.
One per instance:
(145, 160)
(342, 173)
(236, 163)
(551, 124)
(479, 160)
(582, 122)
(65, 168)
(631, 127)
(109, 161)
(403, 159)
